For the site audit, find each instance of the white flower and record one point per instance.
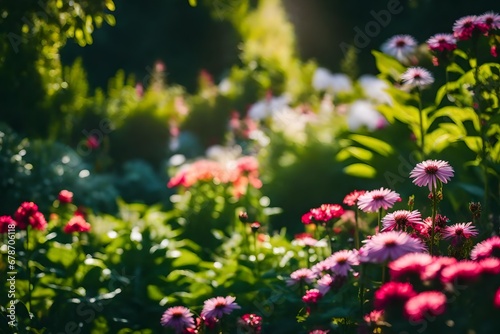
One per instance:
(375, 89)
(340, 83)
(225, 86)
(362, 113)
(321, 79)
(268, 107)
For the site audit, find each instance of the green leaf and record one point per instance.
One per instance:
(458, 116)
(192, 3)
(388, 66)
(360, 170)
(377, 145)
(473, 143)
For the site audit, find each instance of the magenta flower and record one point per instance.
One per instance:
(372, 201)
(442, 42)
(467, 26)
(429, 172)
(341, 261)
(490, 266)
(323, 214)
(491, 20)
(76, 224)
(433, 270)
(178, 318)
(417, 77)
(459, 232)
(373, 317)
(393, 294)
(6, 223)
(252, 323)
(312, 296)
(409, 266)
(401, 219)
(319, 331)
(463, 271)
(496, 299)
(218, 306)
(390, 245)
(400, 47)
(304, 275)
(352, 198)
(488, 248)
(431, 303)
(28, 215)
(65, 196)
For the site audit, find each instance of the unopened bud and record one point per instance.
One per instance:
(255, 226)
(243, 217)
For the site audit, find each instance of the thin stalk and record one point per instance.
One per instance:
(421, 123)
(356, 229)
(379, 220)
(361, 292)
(434, 212)
(28, 268)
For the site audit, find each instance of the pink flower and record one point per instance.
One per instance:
(327, 282)
(76, 224)
(390, 245)
(409, 265)
(28, 215)
(352, 198)
(178, 318)
(321, 267)
(429, 172)
(417, 77)
(401, 219)
(323, 214)
(400, 47)
(459, 232)
(393, 294)
(6, 224)
(463, 271)
(434, 269)
(251, 323)
(488, 248)
(304, 275)
(305, 239)
(312, 296)
(319, 331)
(491, 20)
(218, 306)
(65, 196)
(494, 51)
(465, 27)
(374, 200)
(426, 303)
(442, 42)
(341, 261)
(93, 142)
(373, 317)
(490, 266)
(496, 299)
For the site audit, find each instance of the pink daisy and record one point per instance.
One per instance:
(390, 245)
(324, 284)
(431, 303)
(465, 27)
(417, 77)
(312, 296)
(459, 232)
(372, 201)
(301, 275)
(429, 172)
(491, 20)
(341, 261)
(322, 267)
(409, 265)
(399, 220)
(488, 248)
(433, 270)
(218, 306)
(179, 318)
(352, 198)
(393, 294)
(463, 271)
(442, 42)
(400, 47)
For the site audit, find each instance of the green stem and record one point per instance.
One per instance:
(356, 229)
(28, 268)
(361, 292)
(379, 220)
(434, 212)
(421, 123)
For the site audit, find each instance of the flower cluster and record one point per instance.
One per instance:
(324, 214)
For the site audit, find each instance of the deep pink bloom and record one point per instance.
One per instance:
(490, 266)
(417, 77)
(312, 296)
(323, 214)
(488, 248)
(400, 47)
(409, 265)
(27, 214)
(431, 303)
(459, 232)
(433, 270)
(429, 172)
(93, 142)
(494, 51)
(393, 294)
(178, 318)
(252, 323)
(463, 271)
(65, 196)
(496, 299)
(491, 20)
(374, 200)
(341, 261)
(390, 245)
(442, 42)
(319, 331)
(401, 219)
(76, 224)
(373, 317)
(352, 198)
(6, 224)
(304, 275)
(467, 26)
(218, 306)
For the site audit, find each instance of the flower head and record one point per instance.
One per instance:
(491, 20)
(301, 275)
(312, 296)
(459, 232)
(467, 26)
(399, 220)
(305, 239)
(28, 215)
(433, 270)
(417, 77)
(372, 201)
(429, 172)
(352, 198)
(409, 265)
(496, 299)
(325, 213)
(467, 271)
(393, 294)
(179, 318)
(390, 245)
(490, 266)
(488, 248)
(65, 196)
(426, 303)
(76, 224)
(6, 224)
(341, 261)
(400, 47)
(218, 306)
(442, 42)
(252, 323)
(373, 317)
